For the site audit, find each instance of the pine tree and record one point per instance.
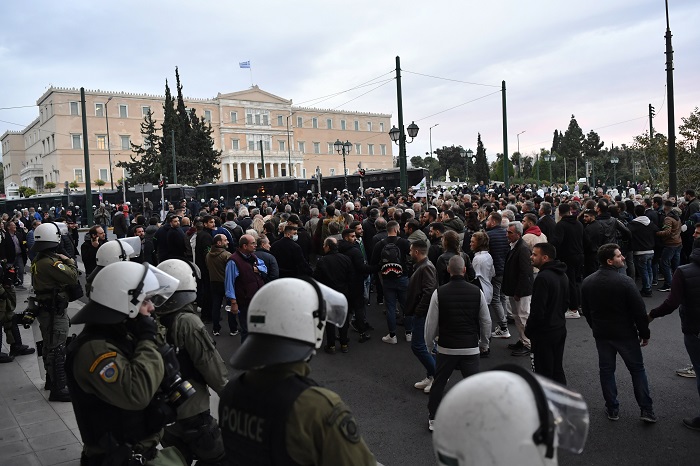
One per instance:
(201, 149)
(170, 123)
(481, 164)
(144, 166)
(571, 145)
(556, 142)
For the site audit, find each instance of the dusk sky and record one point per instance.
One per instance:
(602, 61)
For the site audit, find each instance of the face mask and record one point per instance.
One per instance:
(295, 237)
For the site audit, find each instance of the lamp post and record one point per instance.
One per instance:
(549, 158)
(520, 159)
(614, 160)
(109, 147)
(398, 135)
(344, 148)
(430, 130)
(467, 155)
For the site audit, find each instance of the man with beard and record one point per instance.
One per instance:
(356, 303)
(289, 254)
(568, 239)
(435, 233)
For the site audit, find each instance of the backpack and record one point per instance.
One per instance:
(391, 263)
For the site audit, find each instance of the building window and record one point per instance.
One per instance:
(77, 141)
(381, 127)
(369, 126)
(357, 125)
(254, 141)
(125, 142)
(300, 122)
(123, 111)
(343, 125)
(370, 149)
(207, 115)
(145, 109)
(382, 149)
(330, 147)
(101, 141)
(74, 108)
(234, 117)
(314, 122)
(317, 147)
(329, 123)
(78, 175)
(332, 171)
(302, 147)
(103, 174)
(283, 170)
(257, 117)
(303, 173)
(280, 120)
(282, 145)
(235, 144)
(358, 149)
(99, 110)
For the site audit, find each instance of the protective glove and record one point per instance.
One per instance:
(143, 327)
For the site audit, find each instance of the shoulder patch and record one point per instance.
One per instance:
(349, 429)
(101, 358)
(110, 372)
(60, 265)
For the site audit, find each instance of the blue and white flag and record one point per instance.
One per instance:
(244, 64)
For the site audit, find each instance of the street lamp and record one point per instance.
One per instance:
(549, 158)
(343, 148)
(109, 147)
(614, 160)
(520, 168)
(467, 155)
(430, 130)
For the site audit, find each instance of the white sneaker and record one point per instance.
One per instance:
(389, 339)
(409, 337)
(426, 382)
(430, 425)
(501, 333)
(572, 315)
(426, 390)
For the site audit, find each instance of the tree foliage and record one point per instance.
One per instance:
(50, 185)
(145, 164)
(497, 168)
(450, 158)
(26, 191)
(481, 164)
(431, 163)
(571, 145)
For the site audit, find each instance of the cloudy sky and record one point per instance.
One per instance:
(600, 60)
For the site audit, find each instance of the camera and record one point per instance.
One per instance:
(175, 389)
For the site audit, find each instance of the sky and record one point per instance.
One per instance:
(602, 61)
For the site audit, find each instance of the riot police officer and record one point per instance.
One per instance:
(8, 318)
(196, 433)
(121, 380)
(52, 275)
(273, 413)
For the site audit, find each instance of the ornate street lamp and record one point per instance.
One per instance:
(549, 158)
(614, 160)
(344, 148)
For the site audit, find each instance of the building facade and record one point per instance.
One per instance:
(296, 141)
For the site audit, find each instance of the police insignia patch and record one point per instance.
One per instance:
(348, 427)
(109, 373)
(61, 266)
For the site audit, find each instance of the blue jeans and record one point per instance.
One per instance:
(631, 353)
(395, 290)
(692, 346)
(419, 347)
(642, 264)
(670, 259)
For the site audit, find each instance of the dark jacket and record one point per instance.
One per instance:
(421, 286)
(685, 292)
(568, 238)
(517, 273)
(360, 269)
(290, 258)
(498, 248)
(458, 320)
(613, 306)
(643, 232)
(120, 223)
(273, 269)
(550, 300)
(547, 225)
(335, 270)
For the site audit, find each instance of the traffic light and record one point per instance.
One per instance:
(361, 171)
(161, 183)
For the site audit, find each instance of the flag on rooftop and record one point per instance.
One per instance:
(244, 64)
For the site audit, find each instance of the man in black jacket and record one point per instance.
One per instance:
(546, 326)
(546, 221)
(517, 285)
(498, 248)
(614, 309)
(643, 239)
(356, 303)
(568, 239)
(289, 254)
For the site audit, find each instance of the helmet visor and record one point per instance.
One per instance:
(135, 243)
(569, 414)
(167, 285)
(336, 305)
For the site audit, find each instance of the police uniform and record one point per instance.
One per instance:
(276, 415)
(195, 433)
(51, 276)
(8, 303)
(113, 377)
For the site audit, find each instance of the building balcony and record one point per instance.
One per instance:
(31, 171)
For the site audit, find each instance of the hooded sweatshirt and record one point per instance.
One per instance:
(643, 235)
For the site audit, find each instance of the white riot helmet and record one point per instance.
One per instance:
(187, 273)
(534, 414)
(286, 319)
(46, 236)
(119, 290)
(117, 251)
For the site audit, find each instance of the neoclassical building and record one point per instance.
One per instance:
(296, 140)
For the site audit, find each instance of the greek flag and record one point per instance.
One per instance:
(244, 64)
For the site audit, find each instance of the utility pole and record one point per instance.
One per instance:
(402, 137)
(505, 136)
(672, 170)
(262, 159)
(86, 157)
(651, 123)
(172, 135)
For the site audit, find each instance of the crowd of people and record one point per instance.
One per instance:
(454, 269)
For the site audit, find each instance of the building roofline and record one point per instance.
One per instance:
(52, 89)
(331, 110)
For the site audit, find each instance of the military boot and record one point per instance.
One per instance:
(17, 348)
(57, 369)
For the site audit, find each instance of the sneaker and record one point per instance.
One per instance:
(234, 333)
(572, 315)
(426, 382)
(380, 301)
(426, 390)
(329, 349)
(648, 416)
(690, 423)
(517, 345)
(613, 414)
(431, 421)
(344, 348)
(501, 333)
(654, 283)
(688, 372)
(524, 351)
(20, 350)
(409, 337)
(216, 333)
(364, 337)
(389, 339)
(665, 288)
